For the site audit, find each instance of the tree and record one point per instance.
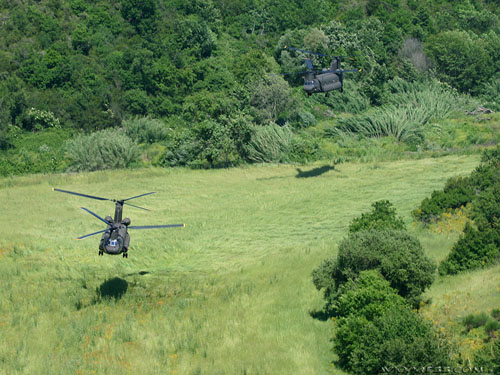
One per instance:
(397, 255)
(382, 217)
(461, 60)
(273, 100)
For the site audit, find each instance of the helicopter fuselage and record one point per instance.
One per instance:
(323, 82)
(115, 239)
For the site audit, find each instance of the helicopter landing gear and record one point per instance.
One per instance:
(101, 252)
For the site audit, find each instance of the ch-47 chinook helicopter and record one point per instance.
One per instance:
(115, 239)
(324, 80)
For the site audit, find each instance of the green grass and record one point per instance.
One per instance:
(229, 294)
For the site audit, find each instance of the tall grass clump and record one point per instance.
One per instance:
(407, 110)
(352, 100)
(105, 149)
(146, 129)
(270, 144)
(489, 94)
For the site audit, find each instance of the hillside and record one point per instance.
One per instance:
(229, 294)
(201, 84)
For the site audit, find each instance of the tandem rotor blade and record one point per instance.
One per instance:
(94, 214)
(309, 64)
(158, 226)
(342, 71)
(91, 234)
(82, 195)
(133, 205)
(137, 196)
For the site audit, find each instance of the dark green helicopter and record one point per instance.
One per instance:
(324, 80)
(115, 239)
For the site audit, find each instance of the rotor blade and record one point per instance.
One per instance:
(341, 71)
(142, 208)
(94, 214)
(82, 195)
(287, 74)
(91, 234)
(158, 226)
(137, 196)
(309, 64)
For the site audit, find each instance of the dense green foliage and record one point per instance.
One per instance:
(376, 329)
(479, 188)
(200, 69)
(479, 245)
(399, 338)
(396, 254)
(382, 217)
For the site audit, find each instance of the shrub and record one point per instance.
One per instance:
(37, 119)
(495, 313)
(486, 208)
(491, 326)
(397, 255)
(383, 216)
(457, 192)
(105, 149)
(182, 150)
(489, 357)
(5, 140)
(369, 296)
(270, 144)
(146, 129)
(474, 249)
(475, 320)
(394, 339)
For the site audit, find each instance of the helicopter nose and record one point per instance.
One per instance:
(309, 86)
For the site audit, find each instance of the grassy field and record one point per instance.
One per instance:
(229, 294)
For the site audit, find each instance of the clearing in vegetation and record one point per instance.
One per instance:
(229, 294)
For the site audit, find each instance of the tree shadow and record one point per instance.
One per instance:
(321, 315)
(113, 288)
(314, 172)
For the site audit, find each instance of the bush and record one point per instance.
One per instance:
(474, 249)
(457, 192)
(491, 326)
(383, 216)
(270, 144)
(105, 149)
(394, 339)
(397, 255)
(495, 313)
(480, 188)
(474, 320)
(369, 296)
(146, 130)
(489, 357)
(486, 208)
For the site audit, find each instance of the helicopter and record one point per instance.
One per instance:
(115, 239)
(325, 80)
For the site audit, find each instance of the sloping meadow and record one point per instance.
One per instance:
(229, 294)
